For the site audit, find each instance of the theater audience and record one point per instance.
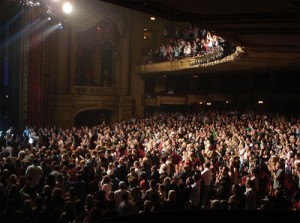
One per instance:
(205, 160)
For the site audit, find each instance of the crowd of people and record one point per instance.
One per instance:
(209, 160)
(191, 42)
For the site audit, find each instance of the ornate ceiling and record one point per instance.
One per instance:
(268, 30)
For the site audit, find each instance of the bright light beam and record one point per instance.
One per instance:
(11, 21)
(19, 34)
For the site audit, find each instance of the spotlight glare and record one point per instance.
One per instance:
(67, 7)
(60, 26)
(49, 18)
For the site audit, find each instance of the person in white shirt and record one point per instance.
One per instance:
(250, 193)
(34, 173)
(119, 193)
(195, 194)
(207, 177)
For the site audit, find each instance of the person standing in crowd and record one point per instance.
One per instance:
(250, 200)
(34, 174)
(207, 177)
(119, 193)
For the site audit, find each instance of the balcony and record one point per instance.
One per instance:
(205, 60)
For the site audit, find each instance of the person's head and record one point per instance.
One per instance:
(13, 178)
(47, 190)
(27, 206)
(152, 184)
(35, 161)
(106, 179)
(223, 205)
(167, 181)
(88, 156)
(148, 206)
(278, 165)
(57, 193)
(250, 184)
(215, 204)
(78, 207)
(172, 195)
(162, 187)
(69, 207)
(207, 165)
(232, 202)
(72, 191)
(89, 200)
(122, 185)
(154, 168)
(235, 189)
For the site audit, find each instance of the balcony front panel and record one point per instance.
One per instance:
(87, 90)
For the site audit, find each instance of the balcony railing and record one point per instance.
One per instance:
(209, 59)
(204, 98)
(87, 90)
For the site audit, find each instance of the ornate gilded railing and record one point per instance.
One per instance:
(209, 59)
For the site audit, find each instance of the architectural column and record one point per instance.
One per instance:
(136, 82)
(126, 53)
(62, 58)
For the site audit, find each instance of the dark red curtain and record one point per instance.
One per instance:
(34, 75)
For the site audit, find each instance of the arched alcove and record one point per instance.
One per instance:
(96, 57)
(92, 117)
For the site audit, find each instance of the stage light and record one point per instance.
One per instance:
(60, 26)
(208, 103)
(152, 18)
(260, 102)
(67, 7)
(49, 18)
